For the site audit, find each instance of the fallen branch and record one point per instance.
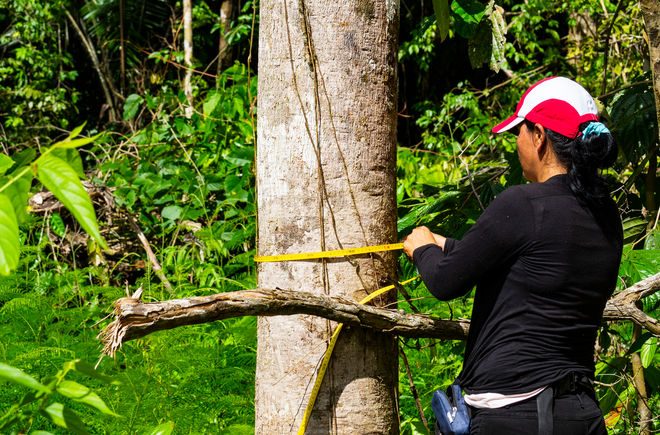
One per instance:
(135, 319)
(624, 305)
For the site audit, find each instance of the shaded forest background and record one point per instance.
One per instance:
(177, 179)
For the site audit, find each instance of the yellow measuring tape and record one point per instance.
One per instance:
(335, 335)
(328, 254)
(328, 354)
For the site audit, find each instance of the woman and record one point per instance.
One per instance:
(544, 257)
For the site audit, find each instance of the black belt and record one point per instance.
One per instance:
(571, 383)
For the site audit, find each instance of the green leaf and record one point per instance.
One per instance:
(5, 163)
(72, 157)
(18, 192)
(23, 158)
(64, 417)
(75, 143)
(131, 106)
(637, 345)
(211, 102)
(633, 229)
(76, 131)
(652, 240)
(441, 9)
(10, 244)
(87, 369)
(172, 212)
(634, 121)
(57, 225)
(163, 429)
(648, 351)
(83, 394)
(41, 432)
(17, 376)
(61, 179)
(467, 15)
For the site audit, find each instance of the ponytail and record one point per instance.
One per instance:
(592, 150)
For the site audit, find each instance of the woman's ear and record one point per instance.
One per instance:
(539, 135)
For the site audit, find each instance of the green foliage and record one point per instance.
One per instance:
(56, 175)
(35, 72)
(39, 400)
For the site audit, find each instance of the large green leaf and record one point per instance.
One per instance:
(9, 240)
(62, 180)
(467, 15)
(17, 376)
(648, 351)
(64, 417)
(132, 105)
(83, 394)
(634, 121)
(412, 219)
(5, 163)
(18, 192)
(72, 157)
(441, 9)
(211, 102)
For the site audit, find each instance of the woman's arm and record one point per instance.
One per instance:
(501, 233)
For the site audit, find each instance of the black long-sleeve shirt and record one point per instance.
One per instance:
(544, 266)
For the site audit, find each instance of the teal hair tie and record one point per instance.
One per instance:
(595, 128)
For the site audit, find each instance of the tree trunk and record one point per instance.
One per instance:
(651, 12)
(224, 55)
(188, 55)
(103, 78)
(326, 180)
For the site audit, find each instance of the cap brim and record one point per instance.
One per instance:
(507, 124)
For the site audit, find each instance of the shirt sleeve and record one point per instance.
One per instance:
(502, 232)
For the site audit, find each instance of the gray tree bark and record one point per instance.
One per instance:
(326, 180)
(188, 55)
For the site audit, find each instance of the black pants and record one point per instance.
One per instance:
(575, 413)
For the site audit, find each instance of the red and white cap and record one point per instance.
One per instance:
(557, 103)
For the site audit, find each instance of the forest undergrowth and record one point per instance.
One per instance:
(187, 184)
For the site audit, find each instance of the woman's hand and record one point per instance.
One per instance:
(421, 236)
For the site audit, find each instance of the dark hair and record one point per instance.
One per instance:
(583, 157)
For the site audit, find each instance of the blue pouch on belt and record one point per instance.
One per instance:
(451, 413)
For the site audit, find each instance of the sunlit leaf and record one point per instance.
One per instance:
(75, 143)
(163, 429)
(76, 131)
(57, 225)
(652, 240)
(9, 238)
(72, 157)
(5, 163)
(211, 102)
(61, 179)
(83, 394)
(18, 192)
(648, 351)
(17, 376)
(172, 212)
